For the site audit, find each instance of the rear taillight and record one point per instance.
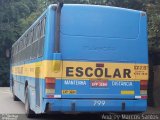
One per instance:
(144, 97)
(143, 84)
(50, 85)
(143, 88)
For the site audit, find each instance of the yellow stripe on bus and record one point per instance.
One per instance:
(82, 70)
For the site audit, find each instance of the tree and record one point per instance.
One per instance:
(11, 12)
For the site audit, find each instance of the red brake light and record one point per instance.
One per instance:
(143, 88)
(50, 80)
(144, 97)
(143, 85)
(50, 85)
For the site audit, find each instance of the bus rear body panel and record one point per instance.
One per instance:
(103, 60)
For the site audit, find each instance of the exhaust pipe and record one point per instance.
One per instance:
(57, 26)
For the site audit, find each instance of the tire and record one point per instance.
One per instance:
(29, 112)
(15, 98)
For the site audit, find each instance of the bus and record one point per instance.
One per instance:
(82, 58)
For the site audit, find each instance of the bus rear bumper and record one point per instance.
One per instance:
(79, 105)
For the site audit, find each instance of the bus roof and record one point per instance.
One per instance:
(75, 5)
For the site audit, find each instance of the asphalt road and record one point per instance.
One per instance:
(10, 109)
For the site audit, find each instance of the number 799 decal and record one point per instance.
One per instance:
(99, 102)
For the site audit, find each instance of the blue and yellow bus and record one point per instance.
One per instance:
(82, 58)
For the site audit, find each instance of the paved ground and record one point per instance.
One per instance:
(8, 106)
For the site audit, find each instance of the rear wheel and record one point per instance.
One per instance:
(29, 112)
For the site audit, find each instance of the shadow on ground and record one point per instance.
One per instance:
(59, 116)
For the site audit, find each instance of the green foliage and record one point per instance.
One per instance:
(12, 13)
(17, 15)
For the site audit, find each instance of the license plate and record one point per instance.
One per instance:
(99, 83)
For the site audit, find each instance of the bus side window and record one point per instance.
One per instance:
(18, 48)
(42, 37)
(19, 52)
(23, 49)
(25, 44)
(31, 37)
(43, 22)
(37, 40)
(31, 43)
(38, 31)
(35, 33)
(32, 50)
(26, 41)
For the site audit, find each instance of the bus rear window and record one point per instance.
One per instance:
(100, 21)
